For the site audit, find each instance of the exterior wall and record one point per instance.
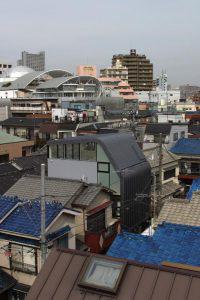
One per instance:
(73, 169)
(170, 118)
(84, 70)
(177, 129)
(15, 149)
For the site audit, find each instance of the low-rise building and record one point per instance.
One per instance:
(188, 150)
(13, 146)
(170, 132)
(92, 277)
(99, 159)
(173, 243)
(95, 228)
(20, 236)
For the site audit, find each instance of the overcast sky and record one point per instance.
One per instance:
(90, 32)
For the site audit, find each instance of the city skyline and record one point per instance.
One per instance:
(91, 33)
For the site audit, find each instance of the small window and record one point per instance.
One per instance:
(175, 136)
(88, 151)
(182, 134)
(60, 151)
(102, 274)
(103, 167)
(53, 151)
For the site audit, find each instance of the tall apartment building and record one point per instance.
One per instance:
(140, 70)
(36, 61)
(116, 71)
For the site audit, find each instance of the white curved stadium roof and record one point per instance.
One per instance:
(19, 71)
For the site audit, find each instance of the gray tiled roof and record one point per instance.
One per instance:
(181, 211)
(68, 192)
(152, 155)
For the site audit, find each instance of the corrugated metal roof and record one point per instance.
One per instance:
(59, 279)
(187, 146)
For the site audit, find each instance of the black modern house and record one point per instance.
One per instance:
(112, 160)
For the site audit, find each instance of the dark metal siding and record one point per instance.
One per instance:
(135, 195)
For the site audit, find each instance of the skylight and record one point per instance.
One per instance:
(102, 274)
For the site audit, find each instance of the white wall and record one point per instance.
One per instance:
(73, 169)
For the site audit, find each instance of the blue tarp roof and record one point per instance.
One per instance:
(171, 242)
(194, 187)
(187, 146)
(26, 218)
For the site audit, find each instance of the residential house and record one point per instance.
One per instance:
(27, 128)
(173, 243)
(10, 172)
(13, 146)
(188, 150)
(181, 211)
(49, 131)
(95, 228)
(20, 236)
(92, 277)
(113, 160)
(170, 132)
(169, 169)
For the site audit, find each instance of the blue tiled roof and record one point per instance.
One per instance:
(171, 242)
(6, 204)
(187, 146)
(194, 187)
(26, 218)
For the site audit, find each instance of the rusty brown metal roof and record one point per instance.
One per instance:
(59, 279)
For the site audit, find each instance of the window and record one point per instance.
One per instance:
(169, 174)
(103, 167)
(102, 274)
(96, 221)
(175, 136)
(53, 151)
(62, 242)
(23, 258)
(88, 151)
(60, 151)
(68, 151)
(182, 134)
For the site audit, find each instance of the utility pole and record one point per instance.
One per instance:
(154, 198)
(43, 217)
(160, 169)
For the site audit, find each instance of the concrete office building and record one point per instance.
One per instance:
(36, 61)
(140, 70)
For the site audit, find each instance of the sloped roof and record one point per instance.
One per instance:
(6, 281)
(152, 155)
(11, 172)
(23, 122)
(59, 279)
(157, 128)
(68, 192)
(181, 211)
(171, 242)
(26, 218)
(187, 147)
(6, 138)
(194, 187)
(127, 155)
